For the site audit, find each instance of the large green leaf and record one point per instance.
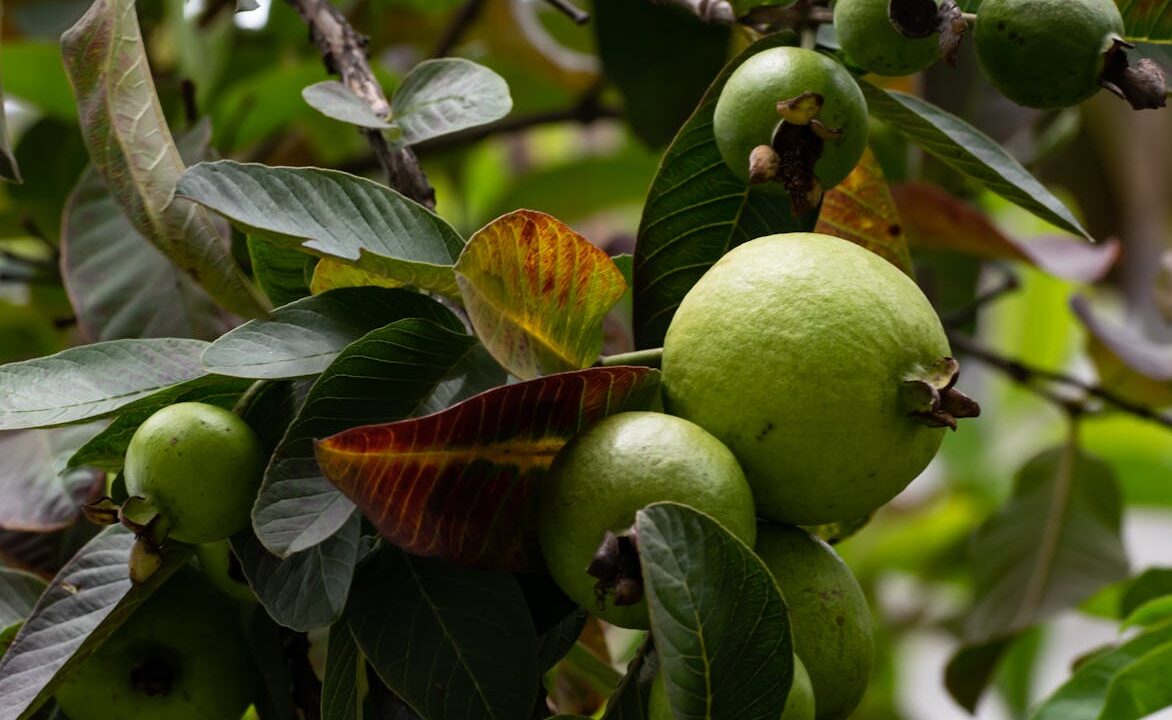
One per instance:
(387, 375)
(281, 272)
(345, 675)
(304, 337)
(629, 700)
(87, 600)
(19, 591)
(635, 40)
(131, 146)
(970, 152)
(696, 211)
(1051, 546)
(443, 96)
(454, 643)
(37, 492)
(720, 624)
(332, 214)
(93, 380)
(1146, 20)
(305, 590)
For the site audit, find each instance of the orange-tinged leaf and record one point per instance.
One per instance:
(936, 220)
(458, 484)
(537, 293)
(861, 209)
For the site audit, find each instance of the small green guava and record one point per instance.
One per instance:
(181, 656)
(199, 466)
(1046, 53)
(821, 366)
(872, 42)
(602, 477)
(824, 136)
(799, 704)
(828, 613)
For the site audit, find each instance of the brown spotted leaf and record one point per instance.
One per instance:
(861, 209)
(537, 293)
(459, 484)
(936, 220)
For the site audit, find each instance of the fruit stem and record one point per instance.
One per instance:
(648, 358)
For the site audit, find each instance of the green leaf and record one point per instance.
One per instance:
(1051, 546)
(93, 380)
(970, 670)
(639, 45)
(281, 272)
(1156, 611)
(87, 600)
(332, 214)
(720, 624)
(1125, 683)
(334, 100)
(9, 170)
(629, 700)
(108, 448)
(696, 211)
(38, 493)
(131, 146)
(305, 590)
(342, 687)
(386, 375)
(536, 293)
(970, 152)
(1151, 584)
(19, 591)
(443, 96)
(454, 643)
(1146, 20)
(303, 338)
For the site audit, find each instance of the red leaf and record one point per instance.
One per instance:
(860, 209)
(458, 484)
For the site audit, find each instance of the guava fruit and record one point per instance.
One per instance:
(871, 41)
(821, 366)
(199, 466)
(799, 705)
(601, 478)
(1046, 53)
(828, 614)
(791, 116)
(180, 656)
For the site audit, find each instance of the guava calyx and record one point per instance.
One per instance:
(103, 511)
(616, 567)
(141, 517)
(155, 675)
(918, 19)
(145, 558)
(932, 398)
(764, 165)
(1142, 85)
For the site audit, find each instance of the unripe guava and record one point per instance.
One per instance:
(181, 656)
(871, 41)
(200, 466)
(746, 114)
(828, 614)
(799, 705)
(1046, 53)
(602, 477)
(794, 350)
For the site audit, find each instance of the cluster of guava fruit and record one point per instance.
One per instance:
(806, 381)
(1038, 53)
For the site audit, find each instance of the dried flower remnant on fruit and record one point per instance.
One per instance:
(795, 149)
(917, 19)
(1142, 85)
(933, 399)
(616, 567)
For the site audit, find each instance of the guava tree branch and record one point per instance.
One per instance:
(343, 51)
(572, 11)
(1045, 382)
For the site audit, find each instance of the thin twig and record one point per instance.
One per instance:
(1009, 283)
(344, 53)
(1030, 376)
(575, 13)
(465, 16)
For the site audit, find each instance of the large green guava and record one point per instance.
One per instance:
(602, 477)
(797, 352)
(828, 614)
(200, 466)
(181, 656)
(871, 41)
(799, 705)
(746, 114)
(1046, 53)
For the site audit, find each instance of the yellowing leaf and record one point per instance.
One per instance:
(861, 209)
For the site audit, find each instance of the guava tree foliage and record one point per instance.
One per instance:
(387, 266)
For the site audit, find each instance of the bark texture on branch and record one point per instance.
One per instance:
(343, 51)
